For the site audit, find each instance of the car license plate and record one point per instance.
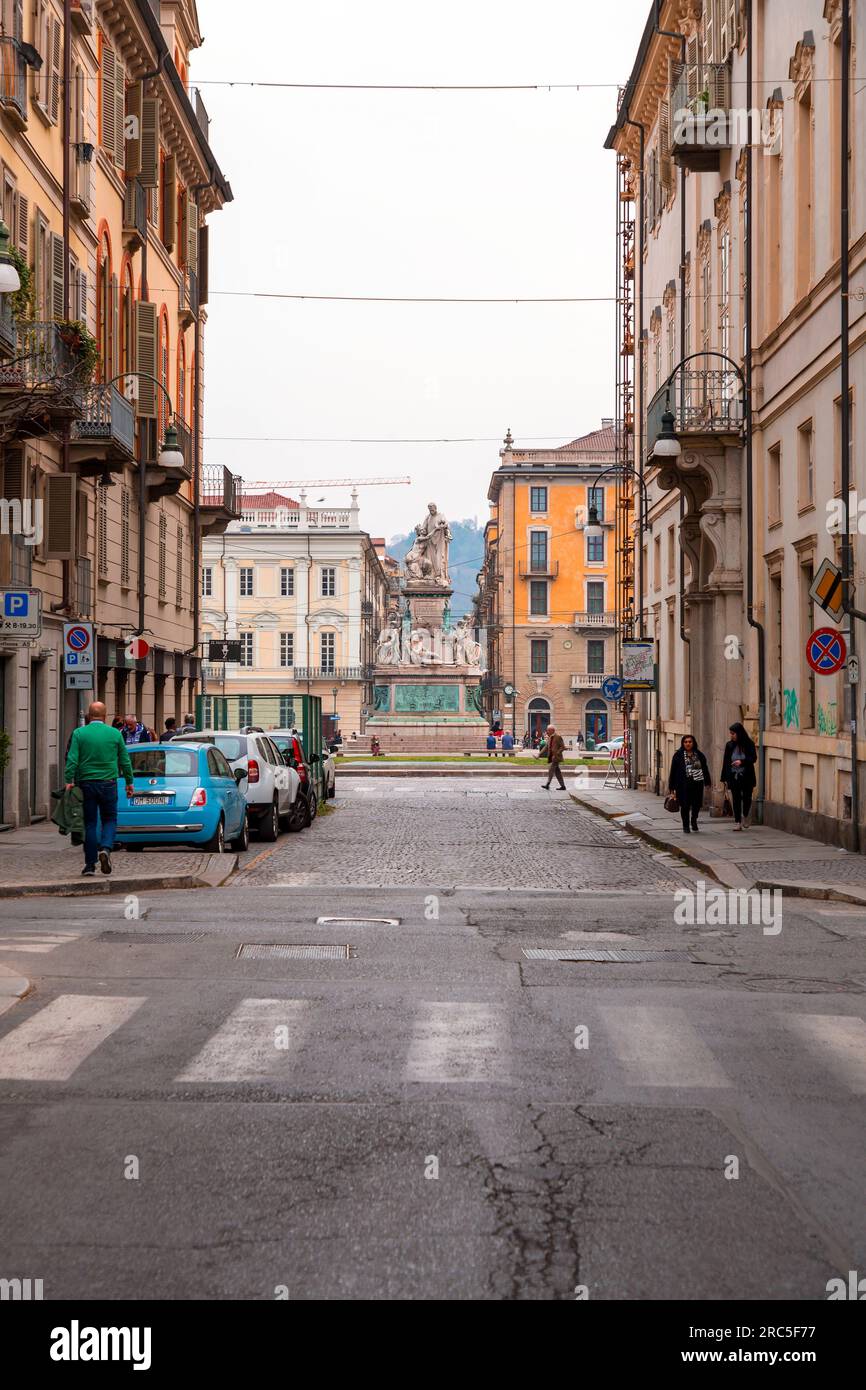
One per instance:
(150, 800)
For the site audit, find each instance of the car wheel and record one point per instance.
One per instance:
(297, 817)
(314, 804)
(242, 841)
(217, 842)
(269, 826)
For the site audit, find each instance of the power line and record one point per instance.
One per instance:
(409, 86)
(419, 299)
(319, 439)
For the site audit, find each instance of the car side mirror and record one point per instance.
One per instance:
(288, 759)
(239, 774)
(314, 758)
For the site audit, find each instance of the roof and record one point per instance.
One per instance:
(601, 441)
(624, 113)
(264, 501)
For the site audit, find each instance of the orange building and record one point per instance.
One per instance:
(547, 593)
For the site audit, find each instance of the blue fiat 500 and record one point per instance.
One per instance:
(183, 795)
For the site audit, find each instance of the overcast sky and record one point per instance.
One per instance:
(410, 193)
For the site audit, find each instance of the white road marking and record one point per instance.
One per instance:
(37, 943)
(659, 1047)
(840, 1041)
(52, 1044)
(456, 1042)
(255, 1041)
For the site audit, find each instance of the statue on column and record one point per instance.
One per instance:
(428, 558)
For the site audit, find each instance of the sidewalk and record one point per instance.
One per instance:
(38, 859)
(757, 858)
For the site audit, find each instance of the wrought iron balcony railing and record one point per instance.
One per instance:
(187, 296)
(44, 358)
(106, 415)
(220, 489)
(704, 402)
(13, 78)
(8, 329)
(539, 569)
(700, 114)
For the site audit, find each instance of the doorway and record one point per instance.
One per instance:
(538, 718)
(595, 717)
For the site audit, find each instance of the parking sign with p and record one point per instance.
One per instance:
(78, 646)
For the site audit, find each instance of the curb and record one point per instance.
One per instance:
(213, 876)
(12, 987)
(804, 888)
(721, 872)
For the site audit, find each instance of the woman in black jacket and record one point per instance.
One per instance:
(689, 775)
(738, 773)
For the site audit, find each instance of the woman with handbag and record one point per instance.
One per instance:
(688, 776)
(738, 774)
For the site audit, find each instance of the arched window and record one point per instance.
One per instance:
(537, 717)
(103, 307)
(595, 716)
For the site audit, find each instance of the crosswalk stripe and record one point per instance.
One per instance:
(37, 943)
(456, 1042)
(52, 1044)
(253, 1043)
(659, 1047)
(839, 1039)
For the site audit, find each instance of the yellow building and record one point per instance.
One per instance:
(106, 178)
(547, 593)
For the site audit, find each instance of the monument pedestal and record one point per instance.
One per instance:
(432, 708)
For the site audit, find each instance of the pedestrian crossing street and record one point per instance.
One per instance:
(290, 1042)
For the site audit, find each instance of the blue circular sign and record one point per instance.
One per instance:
(78, 638)
(612, 688)
(826, 651)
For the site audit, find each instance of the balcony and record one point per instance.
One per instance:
(706, 404)
(8, 329)
(165, 482)
(220, 498)
(701, 120)
(331, 673)
(134, 216)
(41, 386)
(187, 298)
(82, 16)
(328, 520)
(539, 569)
(595, 620)
(588, 680)
(103, 437)
(13, 81)
(201, 115)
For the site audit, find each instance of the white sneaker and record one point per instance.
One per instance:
(738, 827)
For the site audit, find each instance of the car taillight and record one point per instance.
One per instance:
(252, 770)
(302, 773)
(199, 797)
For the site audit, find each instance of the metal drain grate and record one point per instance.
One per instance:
(357, 921)
(620, 954)
(147, 938)
(281, 951)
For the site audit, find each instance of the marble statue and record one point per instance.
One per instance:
(428, 558)
(467, 652)
(388, 649)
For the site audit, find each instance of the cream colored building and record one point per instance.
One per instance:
(304, 590)
(112, 238)
(753, 526)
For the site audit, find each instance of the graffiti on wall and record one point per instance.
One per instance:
(792, 710)
(828, 722)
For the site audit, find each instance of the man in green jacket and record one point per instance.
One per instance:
(97, 757)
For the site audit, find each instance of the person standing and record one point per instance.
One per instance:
(688, 776)
(133, 732)
(555, 755)
(507, 744)
(738, 774)
(97, 757)
(169, 731)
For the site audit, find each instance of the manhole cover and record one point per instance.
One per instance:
(285, 952)
(149, 938)
(357, 921)
(617, 953)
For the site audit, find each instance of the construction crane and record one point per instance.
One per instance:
(271, 485)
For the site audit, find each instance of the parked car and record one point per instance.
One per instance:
(182, 796)
(283, 739)
(275, 797)
(611, 746)
(292, 751)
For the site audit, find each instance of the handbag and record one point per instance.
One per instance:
(727, 808)
(671, 803)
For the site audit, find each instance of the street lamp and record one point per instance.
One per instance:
(10, 280)
(667, 446)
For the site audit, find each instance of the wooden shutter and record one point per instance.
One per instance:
(169, 210)
(666, 169)
(108, 93)
(119, 114)
(55, 70)
(102, 532)
(146, 325)
(191, 234)
(134, 98)
(114, 364)
(60, 500)
(82, 296)
(203, 246)
(14, 473)
(692, 67)
(57, 253)
(729, 26)
(21, 230)
(149, 174)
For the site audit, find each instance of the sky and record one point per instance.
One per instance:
(409, 193)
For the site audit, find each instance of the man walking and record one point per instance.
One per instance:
(555, 755)
(97, 757)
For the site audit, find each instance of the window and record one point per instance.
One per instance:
(287, 649)
(774, 484)
(245, 707)
(595, 597)
(806, 445)
(538, 598)
(706, 302)
(538, 551)
(595, 550)
(163, 547)
(207, 581)
(287, 582)
(329, 583)
(538, 499)
(125, 532)
(246, 640)
(538, 656)
(246, 581)
(287, 712)
(672, 550)
(657, 562)
(595, 657)
(775, 649)
(595, 498)
(328, 649)
(803, 223)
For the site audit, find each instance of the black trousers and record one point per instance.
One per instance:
(691, 803)
(554, 770)
(741, 796)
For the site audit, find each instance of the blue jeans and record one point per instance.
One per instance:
(100, 799)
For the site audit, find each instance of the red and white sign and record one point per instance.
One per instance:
(137, 649)
(826, 651)
(77, 647)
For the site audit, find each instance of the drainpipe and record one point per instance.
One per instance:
(67, 174)
(196, 442)
(845, 422)
(750, 481)
(640, 422)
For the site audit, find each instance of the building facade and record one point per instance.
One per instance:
(305, 591)
(729, 142)
(107, 178)
(547, 597)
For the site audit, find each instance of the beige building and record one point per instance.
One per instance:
(754, 303)
(304, 590)
(106, 180)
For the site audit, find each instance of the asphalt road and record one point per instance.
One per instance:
(433, 1115)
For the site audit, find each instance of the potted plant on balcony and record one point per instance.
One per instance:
(21, 301)
(81, 345)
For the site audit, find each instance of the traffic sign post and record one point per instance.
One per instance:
(21, 613)
(826, 651)
(223, 650)
(79, 680)
(78, 647)
(828, 591)
(612, 688)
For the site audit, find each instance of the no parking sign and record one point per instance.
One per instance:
(78, 646)
(826, 651)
